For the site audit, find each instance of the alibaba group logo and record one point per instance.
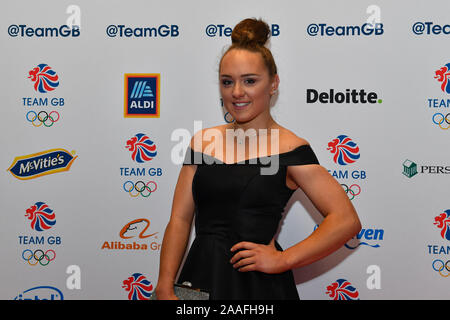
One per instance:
(135, 228)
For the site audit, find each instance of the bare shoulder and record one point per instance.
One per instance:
(289, 140)
(203, 137)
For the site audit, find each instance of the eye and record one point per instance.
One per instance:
(226, 82)
(250, 81)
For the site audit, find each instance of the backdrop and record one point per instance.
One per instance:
(98, 97)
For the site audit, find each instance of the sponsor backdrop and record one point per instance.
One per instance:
(99, 100)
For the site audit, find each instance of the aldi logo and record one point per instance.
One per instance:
(142, 91)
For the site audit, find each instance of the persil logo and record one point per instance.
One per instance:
(325, 30)
(41, 163)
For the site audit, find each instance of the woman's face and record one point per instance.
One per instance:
(245, 84)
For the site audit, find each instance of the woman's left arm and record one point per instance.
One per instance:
(341, 223)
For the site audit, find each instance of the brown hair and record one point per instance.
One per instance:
(252, 35)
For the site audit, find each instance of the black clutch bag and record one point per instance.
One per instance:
(186, 292)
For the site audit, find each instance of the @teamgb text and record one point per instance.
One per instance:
(42, 118)
(38, 256)
(442, 121)
(442, 268)
(139, 188)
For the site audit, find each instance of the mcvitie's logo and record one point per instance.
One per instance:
(42, 163)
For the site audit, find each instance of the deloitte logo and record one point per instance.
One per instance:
(349, 96)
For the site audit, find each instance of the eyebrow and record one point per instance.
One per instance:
(242, 76)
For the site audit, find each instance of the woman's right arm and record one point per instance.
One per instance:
(177, 233)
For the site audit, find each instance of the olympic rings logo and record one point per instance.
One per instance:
(140, 187)
(441, 267)
(42, 118)
(38, 256)
(441, 119)
(350, 190)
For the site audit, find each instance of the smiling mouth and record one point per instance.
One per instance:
(240, 105)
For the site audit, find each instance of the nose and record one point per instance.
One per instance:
(238, 90)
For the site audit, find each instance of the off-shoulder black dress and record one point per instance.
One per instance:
(234, 203)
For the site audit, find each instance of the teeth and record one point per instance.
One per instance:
(242, 104)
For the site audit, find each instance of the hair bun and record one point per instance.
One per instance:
(250, 32)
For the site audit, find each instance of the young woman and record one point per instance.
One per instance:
(237, 208)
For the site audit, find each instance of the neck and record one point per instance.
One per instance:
(260, 124)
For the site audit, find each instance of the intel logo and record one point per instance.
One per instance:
(41, 293)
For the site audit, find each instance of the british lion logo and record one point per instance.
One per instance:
(138, 287)
(141, 147)
(342, 290)
(442, 75)
(344, 150)
(44, 78)
(442, 221)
